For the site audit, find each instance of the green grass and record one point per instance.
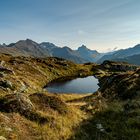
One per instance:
(116, 123)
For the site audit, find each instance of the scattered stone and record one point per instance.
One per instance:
(6, 84)
(8, 129)
(2, 138)
(100, 127)
(5, 70)
(2, 63)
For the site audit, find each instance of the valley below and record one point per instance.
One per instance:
(30, 112)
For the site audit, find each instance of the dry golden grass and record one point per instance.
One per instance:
(30, 75)
(59, 116)
(60, 127)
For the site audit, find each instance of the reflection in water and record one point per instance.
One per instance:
(78, 85)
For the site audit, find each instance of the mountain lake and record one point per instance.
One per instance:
(78, 85)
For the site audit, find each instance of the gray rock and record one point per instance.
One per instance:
(6, 84)
(16, 103)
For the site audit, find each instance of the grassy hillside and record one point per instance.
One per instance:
(32, 74)
(118, 101)
(29, 112)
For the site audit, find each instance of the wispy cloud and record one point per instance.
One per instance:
(100, 24)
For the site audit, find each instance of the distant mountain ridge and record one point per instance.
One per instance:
(46, 49)
(134, 59)
(25, 48)
(31, 48)
(64, 52)
(122, 54)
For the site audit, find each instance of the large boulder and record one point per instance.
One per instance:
(16, 103)
(21, 104)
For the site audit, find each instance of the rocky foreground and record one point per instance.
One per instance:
(29, 112)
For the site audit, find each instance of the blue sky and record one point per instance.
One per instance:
(99, 24)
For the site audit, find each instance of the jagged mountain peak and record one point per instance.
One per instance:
(83, 47)
(27, 41)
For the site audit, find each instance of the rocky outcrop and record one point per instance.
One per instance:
(35, 73)
(21, 104)
(6, 84)
(120, 85)
(16, 103)
(118, 66)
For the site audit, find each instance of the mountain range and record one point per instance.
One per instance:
(130, 55)
(46, 49)
(134, 59)
(31, 48)
(24, 48)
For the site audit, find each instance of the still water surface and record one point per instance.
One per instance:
(79, 85)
